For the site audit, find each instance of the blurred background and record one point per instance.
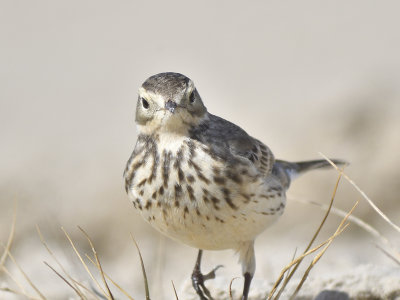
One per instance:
(302, 76)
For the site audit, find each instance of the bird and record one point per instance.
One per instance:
(202, 180)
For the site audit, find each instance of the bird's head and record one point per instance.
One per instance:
(168, 102)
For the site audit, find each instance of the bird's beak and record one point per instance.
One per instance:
(171, 106)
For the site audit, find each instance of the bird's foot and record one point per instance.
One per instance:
(198, 280)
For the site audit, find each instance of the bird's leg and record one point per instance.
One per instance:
(198, 278)
(248, 260)
(247, 280)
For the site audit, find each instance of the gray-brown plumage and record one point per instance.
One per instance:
(203, 180)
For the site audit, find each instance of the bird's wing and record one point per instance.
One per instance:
(266, 158)
(255, 151)
(232, 143)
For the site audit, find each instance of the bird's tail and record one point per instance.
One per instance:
(288, 171)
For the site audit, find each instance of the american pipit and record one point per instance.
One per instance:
(202, 180)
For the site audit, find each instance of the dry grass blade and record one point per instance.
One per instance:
(21, 287)
(83, 262)
(293, 257)
(72, 281)
(112, 281)
(285, 269)
(66, 281)
(41, 296)
(110, 295)
(230, 287)
(368, 228)
(10, 239)
(3, 258)
(362, 194)
(146, 284)
(342, 226)
(395, 259)
(173, 286)
(291, 273)
(312, 264)
(8, 290)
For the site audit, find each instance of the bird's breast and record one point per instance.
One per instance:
(190, 194)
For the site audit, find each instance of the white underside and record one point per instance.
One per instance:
(206, 231)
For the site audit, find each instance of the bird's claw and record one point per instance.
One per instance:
(198, 280)
(211, 274)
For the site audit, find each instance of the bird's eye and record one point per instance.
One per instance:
(191, 97)
(145, 103)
